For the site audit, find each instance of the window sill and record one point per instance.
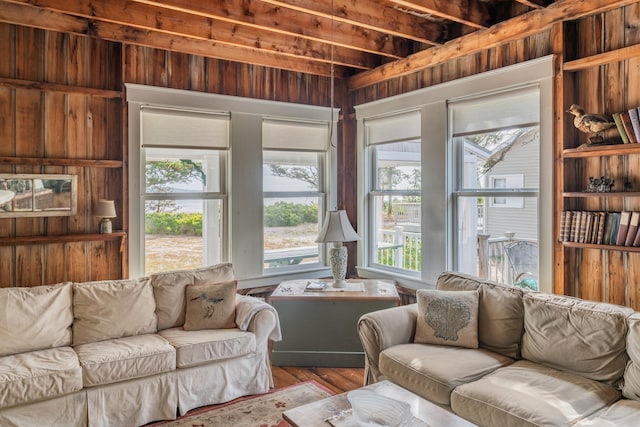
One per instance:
(402, 280)
(276, 277)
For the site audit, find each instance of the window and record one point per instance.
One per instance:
(474, 184)
(184, 189)
(294, 160)
(394, 209)
(205, 171)
(496, 142)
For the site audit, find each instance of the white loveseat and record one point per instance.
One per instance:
(114, 352)
(542, 360)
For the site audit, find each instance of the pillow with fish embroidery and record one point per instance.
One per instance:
(447, 318)
(210, 306)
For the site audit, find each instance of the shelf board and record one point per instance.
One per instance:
(64, 238)
(57, 87)
(602, 150)
(616, 55)
(610, 194)
(603, 247)
(39, 161)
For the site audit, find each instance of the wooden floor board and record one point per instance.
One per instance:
(338, 380)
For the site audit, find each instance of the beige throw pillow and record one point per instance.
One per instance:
(112, 309)
(169, 290)
(211, 306)
(35, 318)
(447, 318)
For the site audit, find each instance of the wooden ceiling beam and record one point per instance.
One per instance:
(371, 15)
(263, 17)
(28, 15)
(469, 12)
(513, 29)
(533, 4)
(176, 23)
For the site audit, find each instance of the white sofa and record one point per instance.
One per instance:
(114, 352)
(542, 359)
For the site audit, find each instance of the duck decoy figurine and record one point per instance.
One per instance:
(590, 123)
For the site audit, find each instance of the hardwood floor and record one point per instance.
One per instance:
(338, 380)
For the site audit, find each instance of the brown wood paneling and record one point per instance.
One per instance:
(48, 111)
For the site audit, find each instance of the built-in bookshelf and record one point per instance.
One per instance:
(593, 259)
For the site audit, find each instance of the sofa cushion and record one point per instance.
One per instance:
(120, 359)
(38, 375)
(198, 347)
(529, 394)
(169, 290)
(500, 311)
(631, 387)
(210, 306)
(112, 309)
(595, 333)
(623, 413)
(433, 371)
(35, 318)
(447, 318)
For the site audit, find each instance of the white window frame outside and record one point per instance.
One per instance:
(511, 181)
(245, 193)
(437, 178)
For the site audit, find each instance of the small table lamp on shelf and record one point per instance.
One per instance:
(106, 209)
(337, 229)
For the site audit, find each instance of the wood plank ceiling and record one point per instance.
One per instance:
(300, 35)
(365, 40)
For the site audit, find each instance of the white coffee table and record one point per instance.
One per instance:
(314, 414)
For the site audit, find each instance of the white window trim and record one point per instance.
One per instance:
(245, 197)
(437, 255)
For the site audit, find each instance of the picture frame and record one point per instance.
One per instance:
(38, 195)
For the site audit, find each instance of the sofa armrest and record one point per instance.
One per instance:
(255, 315)
(382, 329)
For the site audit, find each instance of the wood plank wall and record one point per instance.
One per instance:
(65, 120)
(62, 97)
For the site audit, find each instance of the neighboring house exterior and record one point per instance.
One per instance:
(518, 168)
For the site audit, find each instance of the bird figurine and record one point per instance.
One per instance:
(590, 123)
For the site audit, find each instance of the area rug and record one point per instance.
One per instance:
(263, 410)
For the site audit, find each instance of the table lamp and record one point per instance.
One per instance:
(337, 229)
(106, 209)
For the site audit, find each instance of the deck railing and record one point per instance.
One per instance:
(400, 248)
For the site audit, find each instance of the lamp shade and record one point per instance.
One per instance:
(337, 228)
(105, 209)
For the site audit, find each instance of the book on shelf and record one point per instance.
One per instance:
(565, 221)
(611, 228)
(594, 228)
(614, 229)
(633, 228)
(634, 115)
(588, 227)
(625, 117)
(575, 223)
(623, 227)
(636, 240)
(602, 218)
(621, 131)
(582, 228)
